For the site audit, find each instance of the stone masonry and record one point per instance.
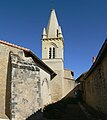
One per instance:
(25, 98)
(5, 78)
(24, 81)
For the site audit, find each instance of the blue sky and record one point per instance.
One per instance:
(83, 22)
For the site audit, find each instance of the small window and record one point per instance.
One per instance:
(53, 52)
(50, 53)
(57, 32)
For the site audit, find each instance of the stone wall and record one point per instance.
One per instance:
(69, 82)
(69, 85)
(56, 64)
(24, 83)
(96, 87)
(55, 42)
(57, 83)
(68, 74)
(25, 96)
(45, 87)
(5, 79)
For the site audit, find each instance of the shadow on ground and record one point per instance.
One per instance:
(68, 109)
(36, 116)
(54, 111)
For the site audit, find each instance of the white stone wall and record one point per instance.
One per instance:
(24, 87)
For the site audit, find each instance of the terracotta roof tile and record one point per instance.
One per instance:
(13, 45)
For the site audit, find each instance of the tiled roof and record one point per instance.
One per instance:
(15, 46)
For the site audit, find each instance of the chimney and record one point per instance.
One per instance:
(93, 59)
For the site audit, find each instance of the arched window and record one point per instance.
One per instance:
(50, 55)
(53, 52)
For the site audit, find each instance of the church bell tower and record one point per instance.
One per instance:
(53, 54)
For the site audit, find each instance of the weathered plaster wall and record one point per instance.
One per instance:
(4, 79)
(25, 84)
(24, 87)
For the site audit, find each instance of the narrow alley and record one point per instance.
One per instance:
(77, 112)
(68, 110)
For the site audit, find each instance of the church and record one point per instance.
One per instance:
(53, 56)
(28, 83)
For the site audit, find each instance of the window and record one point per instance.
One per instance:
(50, 53)
(57, 32)
(53, 52)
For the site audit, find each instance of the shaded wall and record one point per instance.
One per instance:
(71, 93)
(96, 86)
(94, 82)
(8, 90)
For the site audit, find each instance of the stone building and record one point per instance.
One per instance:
(27, 84)
(24, 82)
(53, 56)
(94, 82)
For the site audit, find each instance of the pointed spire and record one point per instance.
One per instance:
(44, 35)
(52, 28)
